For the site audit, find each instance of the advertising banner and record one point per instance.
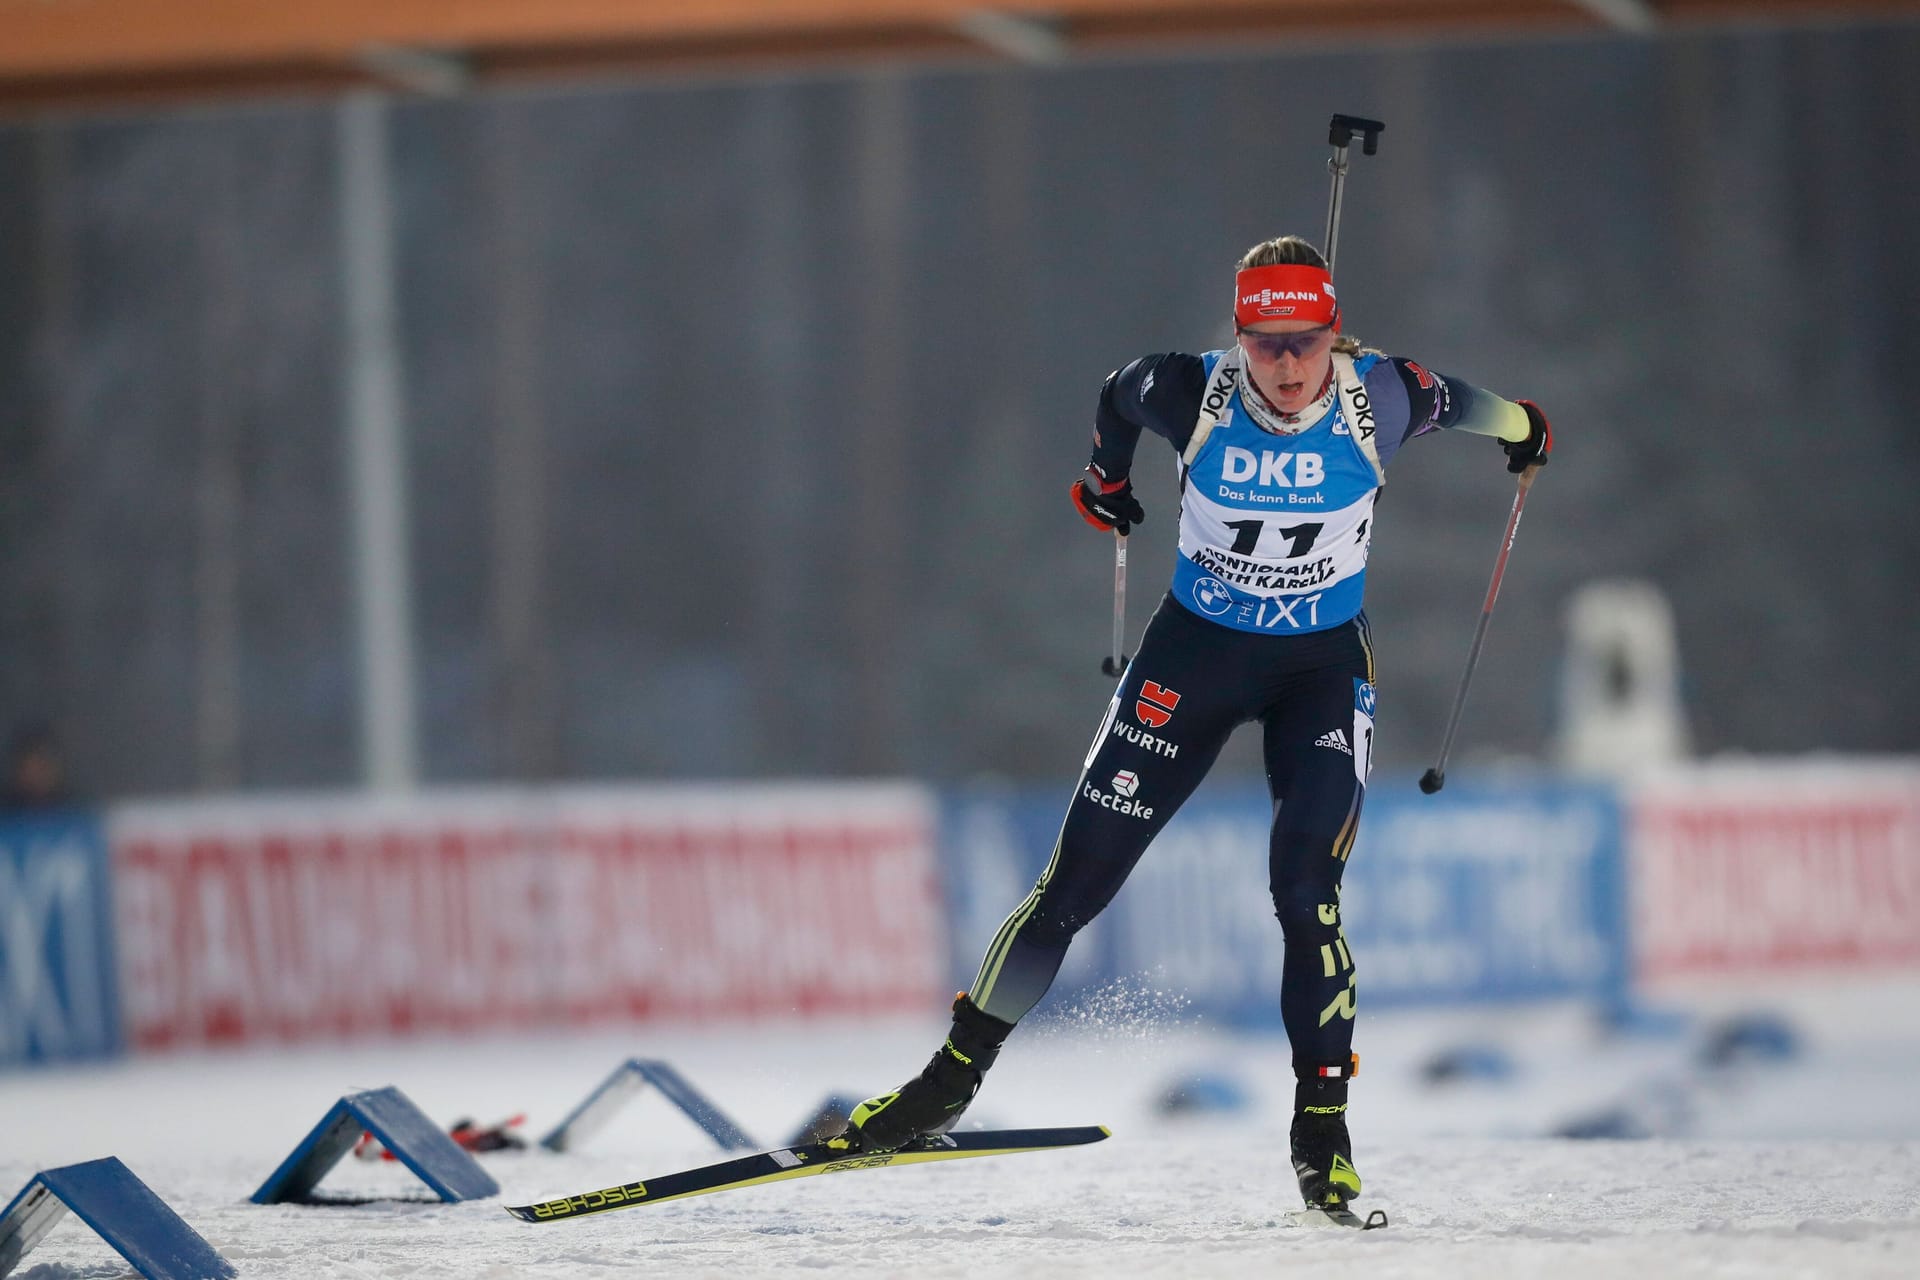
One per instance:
(57, 993)
(1755, 868)
(298, 919)
(1479, 893)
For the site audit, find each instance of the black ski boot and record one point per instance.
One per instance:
(933, 1100)
(1322, 1152)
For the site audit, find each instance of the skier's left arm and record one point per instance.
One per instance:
(1436, 402)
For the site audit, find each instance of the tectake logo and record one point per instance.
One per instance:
(1126, 782)
(1121, 803)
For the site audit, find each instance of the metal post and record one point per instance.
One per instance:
(376, 450)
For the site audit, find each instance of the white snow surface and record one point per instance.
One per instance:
(1809, 1167)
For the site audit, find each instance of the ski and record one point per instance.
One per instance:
(1338, 1215)
(801, 1162)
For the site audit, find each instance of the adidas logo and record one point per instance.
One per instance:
(1337, 739)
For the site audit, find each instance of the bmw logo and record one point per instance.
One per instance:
(1363, 696)
(1212, 596)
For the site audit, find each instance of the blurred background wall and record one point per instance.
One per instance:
(738, 411)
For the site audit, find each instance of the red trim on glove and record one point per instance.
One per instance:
(1078, 491)
(1546, 428)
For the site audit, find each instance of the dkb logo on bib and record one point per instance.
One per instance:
(1242, 465)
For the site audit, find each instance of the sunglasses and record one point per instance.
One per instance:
(1272, 346)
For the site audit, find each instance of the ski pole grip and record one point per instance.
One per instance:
(1340, 132)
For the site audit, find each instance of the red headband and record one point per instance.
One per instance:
(1290, 291)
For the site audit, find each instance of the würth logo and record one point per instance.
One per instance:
(1156, 704)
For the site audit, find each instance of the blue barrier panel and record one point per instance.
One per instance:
(121, 1209)
(402, 1128)
(1492, 891)
(628, 1079)
(58, 995)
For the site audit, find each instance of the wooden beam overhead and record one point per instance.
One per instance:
(56, 53)
(1628, 15)
(1021, 37)
(425, 71)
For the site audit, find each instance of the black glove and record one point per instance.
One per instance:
(1533, 451)
(1107, 505)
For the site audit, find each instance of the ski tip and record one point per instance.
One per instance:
(979, 1140)
(1337, 1216)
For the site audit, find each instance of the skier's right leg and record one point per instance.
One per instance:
(1162, 731)
(1318, 776)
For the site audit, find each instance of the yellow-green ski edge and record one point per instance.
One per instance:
(806, 1161)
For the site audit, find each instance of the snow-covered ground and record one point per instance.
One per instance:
(1807, 1166)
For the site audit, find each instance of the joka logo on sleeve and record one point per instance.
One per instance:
(1156, 704)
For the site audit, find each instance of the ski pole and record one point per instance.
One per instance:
(1340, 136)
(1116, 662)
(1435, 778)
